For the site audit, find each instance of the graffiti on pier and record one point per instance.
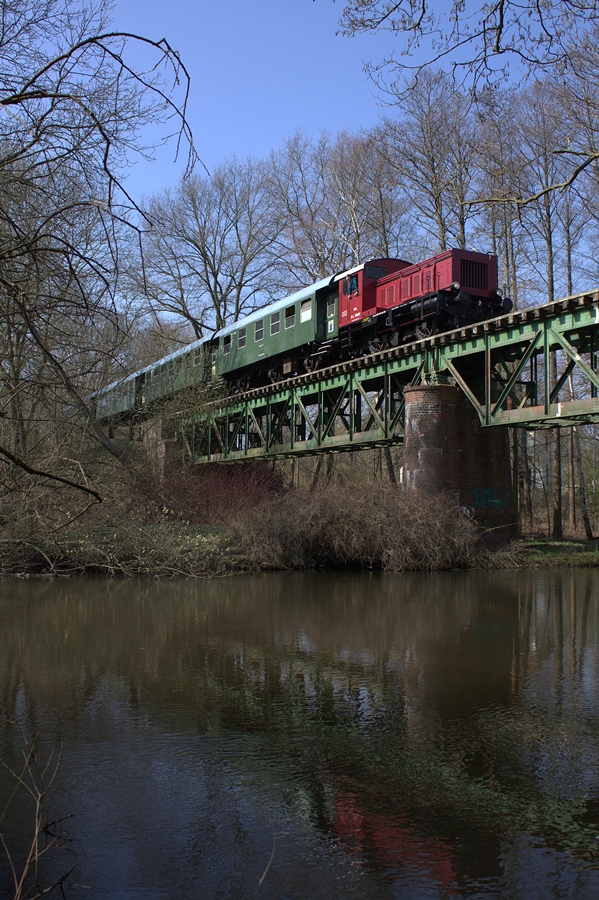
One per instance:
(489, 498)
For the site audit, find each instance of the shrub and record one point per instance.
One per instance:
(364, 524)
(211, 494)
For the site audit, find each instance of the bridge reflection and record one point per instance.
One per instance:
(416, 722)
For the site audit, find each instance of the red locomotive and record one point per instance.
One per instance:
(385, 302)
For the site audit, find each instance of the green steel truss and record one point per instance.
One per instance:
(535, 368)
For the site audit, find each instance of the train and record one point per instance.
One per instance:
(370, 307)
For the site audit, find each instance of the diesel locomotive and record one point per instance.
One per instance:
(370, 307)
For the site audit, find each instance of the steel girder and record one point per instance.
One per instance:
(535, 368)
(345, 411)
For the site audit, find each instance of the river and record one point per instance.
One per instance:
(318, 735)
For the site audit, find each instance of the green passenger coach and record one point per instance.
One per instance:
(278, 339)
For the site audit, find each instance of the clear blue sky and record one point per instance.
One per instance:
(260, 69)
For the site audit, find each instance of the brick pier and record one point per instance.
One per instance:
(447, 450)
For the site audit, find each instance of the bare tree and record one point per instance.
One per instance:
(498, 166)
(71, 109)
(430, 145)
(311, 244)
(208, 255)
(339, 203)
(477, 40)
(477, 44)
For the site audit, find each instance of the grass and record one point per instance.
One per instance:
(547, 553)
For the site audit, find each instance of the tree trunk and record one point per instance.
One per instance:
(516, 474)
(581, 487)
(558, 527)
(527, 478)
(390, 467)
(572, 493)
(557, 531)
(316, 473)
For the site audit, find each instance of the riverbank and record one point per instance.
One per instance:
(169, 550)
(549, 553)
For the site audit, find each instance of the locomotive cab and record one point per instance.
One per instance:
(356, 288)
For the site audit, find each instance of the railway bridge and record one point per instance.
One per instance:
(447, 398)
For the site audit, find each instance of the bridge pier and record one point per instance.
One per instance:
(446, 449)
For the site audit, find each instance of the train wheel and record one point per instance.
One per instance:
(377, 342)
(243, 383)
(427, 329)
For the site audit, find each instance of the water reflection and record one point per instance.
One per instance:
(409, 736)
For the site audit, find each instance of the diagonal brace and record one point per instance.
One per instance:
(575, 356)
(517, 373)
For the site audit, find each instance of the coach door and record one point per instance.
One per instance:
(321, 314)
(140, 390)
(326, 312)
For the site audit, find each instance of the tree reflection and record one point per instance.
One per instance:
(425, 720)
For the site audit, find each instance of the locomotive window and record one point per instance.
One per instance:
(350, 285)
(259, 330)
(197, 356)
(306, 310)
(375, 271)
(331, 307)
(227, 343)
(290, 317)
(241, 337)
(275, 323)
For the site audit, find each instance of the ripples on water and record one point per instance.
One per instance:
(418, 736)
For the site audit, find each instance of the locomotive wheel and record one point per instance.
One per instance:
(243, 383)
(427, 329)
(377, 342)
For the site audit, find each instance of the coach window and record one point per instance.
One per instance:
(156, 375)
(163, 371)
(331, 306)
(171, 368)
(290, 317)
(275, 323)
(179, 365)
(259, 330)
(227, 343)
(197, 356)
(306, 310)
(241, 338)
(188, 361)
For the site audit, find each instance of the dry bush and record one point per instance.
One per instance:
(211, 494)
(51, 529)
(364, 524)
